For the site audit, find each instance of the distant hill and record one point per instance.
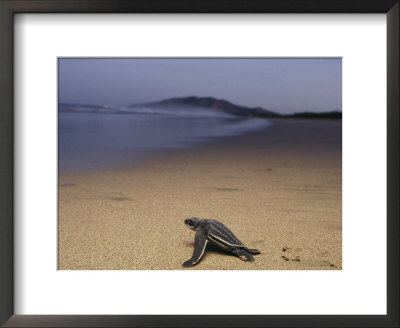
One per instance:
(227, 107)
(187, 103)
(209, 103)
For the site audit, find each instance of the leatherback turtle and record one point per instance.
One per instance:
(219, 234)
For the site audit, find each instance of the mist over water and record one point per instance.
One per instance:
(90, 140)
(189, 112)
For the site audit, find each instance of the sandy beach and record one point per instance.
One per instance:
(279, 190)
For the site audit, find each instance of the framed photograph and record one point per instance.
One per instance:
(161, 160)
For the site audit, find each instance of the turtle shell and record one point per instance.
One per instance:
(220, 234)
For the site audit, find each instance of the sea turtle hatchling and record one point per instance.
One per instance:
(219, 234)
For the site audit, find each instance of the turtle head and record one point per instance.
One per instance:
(192, 223)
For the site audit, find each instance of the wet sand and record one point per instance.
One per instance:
(279, 190)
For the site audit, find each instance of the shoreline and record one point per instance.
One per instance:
(96, 141)
(277, 189)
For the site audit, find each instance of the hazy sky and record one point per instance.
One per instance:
(281, 85)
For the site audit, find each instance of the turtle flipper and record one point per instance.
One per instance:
(200, 243)
(253, 251)
(243, 254)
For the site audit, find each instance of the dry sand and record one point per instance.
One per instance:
(279, 190)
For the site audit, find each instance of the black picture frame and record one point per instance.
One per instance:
(10, 7)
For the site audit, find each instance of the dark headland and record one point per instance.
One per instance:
(193, 102)
(229, 108)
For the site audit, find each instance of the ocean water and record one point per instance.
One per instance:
(90, 140)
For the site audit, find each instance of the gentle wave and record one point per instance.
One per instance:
(192, 112)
